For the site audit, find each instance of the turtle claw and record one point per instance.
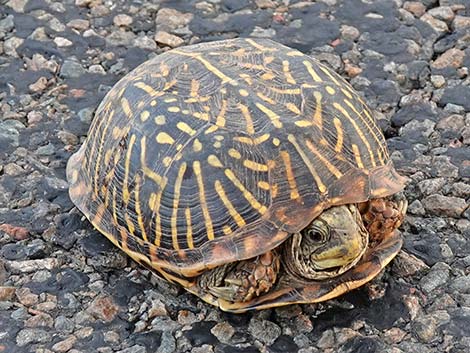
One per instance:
(236, 282)
(230, 292)
(248, 279)
(226, 293)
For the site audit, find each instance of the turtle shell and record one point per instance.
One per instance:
(217, 152)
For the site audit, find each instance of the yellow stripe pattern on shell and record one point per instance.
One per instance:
(203, 141)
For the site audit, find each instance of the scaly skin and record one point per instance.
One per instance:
(382, 216)
(249, 278)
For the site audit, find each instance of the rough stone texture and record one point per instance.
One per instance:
(65, 288)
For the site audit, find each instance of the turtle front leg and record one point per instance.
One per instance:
(246, 279)
(383, 216)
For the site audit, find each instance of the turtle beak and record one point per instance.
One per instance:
(338, 251)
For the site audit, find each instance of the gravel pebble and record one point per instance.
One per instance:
(104, 308)
(264, 330)
(171, 18)
(71, 69)
(438, 25)
(223, 331)
(32, 335)
(437, 277)
(166, 38)
(449, 206)
(122, 20)
(451, 58)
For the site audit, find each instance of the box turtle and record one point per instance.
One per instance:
(244, 170)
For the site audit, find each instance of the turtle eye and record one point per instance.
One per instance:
(318, 233)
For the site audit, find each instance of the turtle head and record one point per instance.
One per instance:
(330, 245)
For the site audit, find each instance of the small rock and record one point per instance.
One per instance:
(394, 335)
(38, 62)
(47, 150)
(438, 25)
(454, 108)
(343, 335)
(10, 45)
(145, 42)
(79, 24)
(416, 208)
(166, 38)
(97, 69)
(461, 284)
(259, 32)
(56, 25)
(157, 309)
(186, 317)
(461, 189)
(38, 86)
(7, 293)
(20, 314)
(265, 4)
(431, 186)
(425, 127)
(205, 348)
(71, 69)
(438, 81)
(25, 297)
(28, 266)
(17, 5)
(13, 169)
(352, 70)
(134, 349)
(104, 308)
(84, 332)
(264, 330)
(412, 304)
(406, 264)
(172, 18)
(122, 20)
(349, 32)
(453, 122)
(444, 167)
(68, 138)
(437, 276)
(417, 8)
(63, 324)
(86, 115)
(62, 42)
(39, 34)
(327, 340)
(168, 344)
(32, 335)
(120, 38)
(111, 337)
(451, 58)
(57, 7)
(448, 206)
(40, 320)
(461, 22)
(444, 13)
(99, 11)
(18, 233)
(425, 328)
(82, 3)
(7, 24)
(34, 116)
(223, 331)
(65, 345)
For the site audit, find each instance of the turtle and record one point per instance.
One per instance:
(245, 171)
